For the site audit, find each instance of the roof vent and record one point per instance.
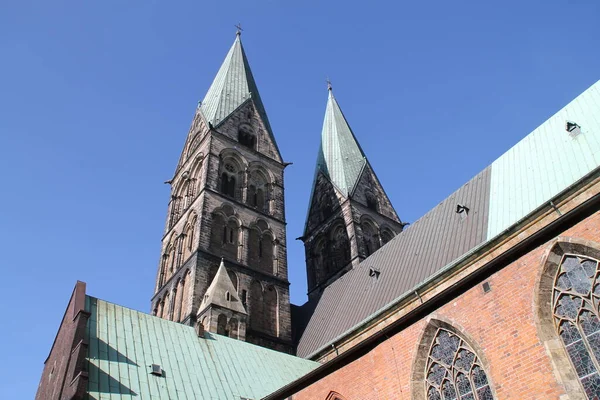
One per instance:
(573, 128)
(374, 273)
(462, 210)
(156, 370)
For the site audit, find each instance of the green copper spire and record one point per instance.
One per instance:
(340, 157)
(232, 87)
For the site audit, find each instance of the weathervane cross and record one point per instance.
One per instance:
(239, 28)
(328, 83)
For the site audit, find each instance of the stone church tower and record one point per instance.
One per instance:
(349, 215)
(223, 261)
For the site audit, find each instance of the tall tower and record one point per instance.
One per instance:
(349, 215)
(224, 260)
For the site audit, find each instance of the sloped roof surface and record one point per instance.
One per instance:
(540, 166)
(123, 343)
(340, 157)
(419, 251)
(233, 85)
(217, 292)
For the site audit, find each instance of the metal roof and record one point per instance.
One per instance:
(540, 166)
(419, 251)
(545, 162)
(233, 85)
(340, 157)
(124, 343)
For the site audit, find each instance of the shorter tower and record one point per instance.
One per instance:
(349, 215)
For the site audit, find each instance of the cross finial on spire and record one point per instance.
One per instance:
(329, 87)
(239, 29)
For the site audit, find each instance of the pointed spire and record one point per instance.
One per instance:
(340, 157)
(233, 85)
(221, 292)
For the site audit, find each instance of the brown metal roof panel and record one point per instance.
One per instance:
(421, 250)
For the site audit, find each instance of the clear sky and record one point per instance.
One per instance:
(96, 99)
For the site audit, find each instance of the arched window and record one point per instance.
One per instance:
(339, 250)
(261, 247)
(256, 306)
(225, 236)
(222, 325)
(160, 305)
(271, 311)
(575, 302)
(372, 202)
(246, 137)
(453, 370)
(233, 328)
(175, 210)
(370, 237)
(231, 171)
(257, 194)
(386, 235)
(326, 207)
(187, 288)
(163, 270)
(177, 296)
(166, 311)
(334, 396)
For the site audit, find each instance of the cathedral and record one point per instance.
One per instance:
(492, 294)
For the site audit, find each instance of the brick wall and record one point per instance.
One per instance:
(503, 327)
(64, 376)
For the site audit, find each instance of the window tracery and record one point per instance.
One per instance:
(575, 301)
(453, 370)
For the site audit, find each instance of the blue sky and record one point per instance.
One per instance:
(96, 99)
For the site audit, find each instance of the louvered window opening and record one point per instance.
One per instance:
(453, 370)
(575, 301)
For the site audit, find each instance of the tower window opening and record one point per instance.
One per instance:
(247, 139)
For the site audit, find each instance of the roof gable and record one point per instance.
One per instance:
(216, 294)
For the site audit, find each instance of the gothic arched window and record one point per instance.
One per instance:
(370, 238)
(575, 302)
(453, 370)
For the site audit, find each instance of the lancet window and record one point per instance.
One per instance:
(575, 301)
(454, 371)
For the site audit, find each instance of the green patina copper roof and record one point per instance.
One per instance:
(232, 87)
(340, 157)
(124, 343)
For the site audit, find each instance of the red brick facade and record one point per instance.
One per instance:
(64, 376)
(508, 327)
